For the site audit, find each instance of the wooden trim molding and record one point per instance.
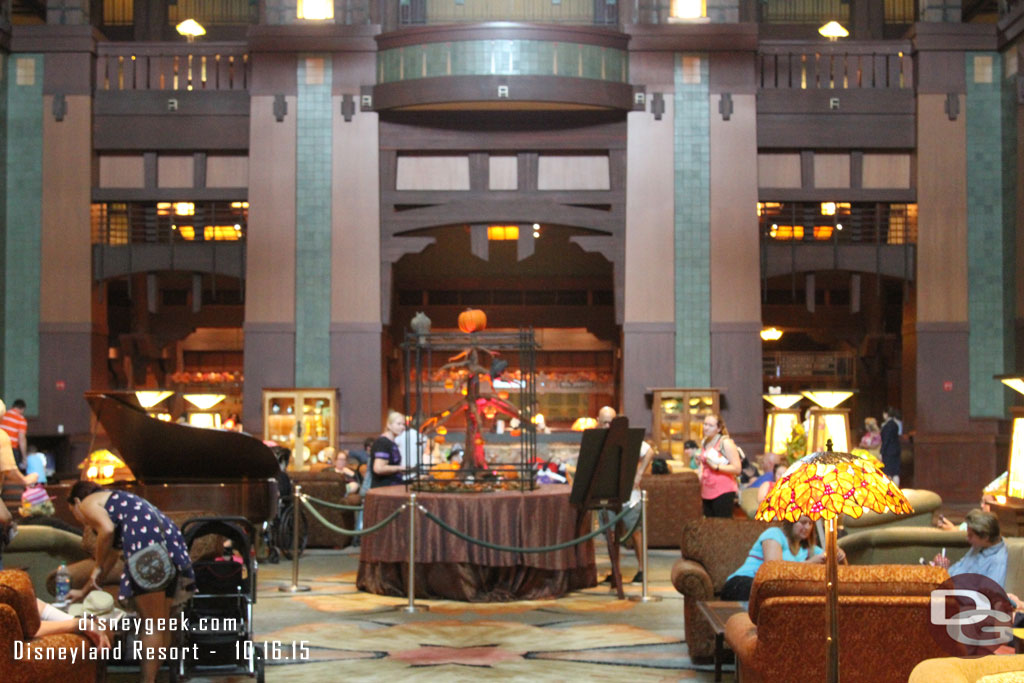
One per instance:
(523, 92)
(501, 30)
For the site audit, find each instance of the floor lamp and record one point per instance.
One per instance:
(780, 421)
(824, 485)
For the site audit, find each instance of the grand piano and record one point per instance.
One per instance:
(184, 468)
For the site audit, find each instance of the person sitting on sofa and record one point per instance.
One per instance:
(53, 620)
(988, 554)
(766, 486)
(946, 525)
(793, 542)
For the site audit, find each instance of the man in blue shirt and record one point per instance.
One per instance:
(987, 555)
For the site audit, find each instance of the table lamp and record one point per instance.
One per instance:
(824, 485)
(1015, 465)
(780, 421)
(828, 421)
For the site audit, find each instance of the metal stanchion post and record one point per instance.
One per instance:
(296, 511)
(644, 597)
(412, 606)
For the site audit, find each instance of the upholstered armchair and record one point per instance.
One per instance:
(883, 623)
(712, 549)
(672, 501)
(19, 620)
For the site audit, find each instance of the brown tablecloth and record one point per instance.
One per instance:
(449, 567)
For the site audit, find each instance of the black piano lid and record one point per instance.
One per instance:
(158, 451)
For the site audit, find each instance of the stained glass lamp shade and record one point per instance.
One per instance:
(824, 485)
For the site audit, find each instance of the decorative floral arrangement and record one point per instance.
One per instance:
(796, 444)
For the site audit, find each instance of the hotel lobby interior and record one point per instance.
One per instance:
(288, 218)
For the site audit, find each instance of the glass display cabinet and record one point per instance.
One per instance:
(678, 416)
(304, 420)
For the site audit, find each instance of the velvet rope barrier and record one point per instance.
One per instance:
(350, 532)
(513, 549)
(336, 506)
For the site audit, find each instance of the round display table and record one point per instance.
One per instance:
(448, 567)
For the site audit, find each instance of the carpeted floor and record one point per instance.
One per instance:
(335, 632)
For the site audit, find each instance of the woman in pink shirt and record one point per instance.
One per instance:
(719, 466)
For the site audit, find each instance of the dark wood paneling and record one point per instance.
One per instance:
(732, 72)
(942, 355)
(892, 260)
(788, 194)
(154, 194)
(943, 36)
(502, 131)
(269, 362)
(171, 132)
(648, 360)
(313, 37)
(54, 38)
(851, 101)
(587, 35)
(273, 74)
(517, 210)
(155, 103)
(736, 364)
(65, 353)
(836, 131)
(356, 371)
(693, 37)
(67, 73)
(481, 92)
(1011, 25)
(941, 73)
(958, 465)
(223, 258)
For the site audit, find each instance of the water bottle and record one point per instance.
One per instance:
(63, 583)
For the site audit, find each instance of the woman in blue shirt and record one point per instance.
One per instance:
(793, 542)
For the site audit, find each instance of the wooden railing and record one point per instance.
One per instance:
(841, 65)
(857, 223)
(172, 66)
(839, 365)
(417, 12)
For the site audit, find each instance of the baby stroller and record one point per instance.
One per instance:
(220, 613)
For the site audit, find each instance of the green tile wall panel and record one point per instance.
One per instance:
(504, 57)
(692, 159)
(989, 234)
(23, 216)
(313, 226)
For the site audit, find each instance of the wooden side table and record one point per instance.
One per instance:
(717, 613)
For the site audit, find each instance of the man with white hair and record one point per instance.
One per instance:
(9, 474)
(604, 419)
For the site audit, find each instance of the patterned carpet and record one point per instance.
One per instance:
(335, 632)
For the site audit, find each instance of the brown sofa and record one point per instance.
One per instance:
(39, 550)
(673, 500)
(19, 621)
(330, 486)
(712, 548)
(963, 670)
(883, 623)
(902, 545)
